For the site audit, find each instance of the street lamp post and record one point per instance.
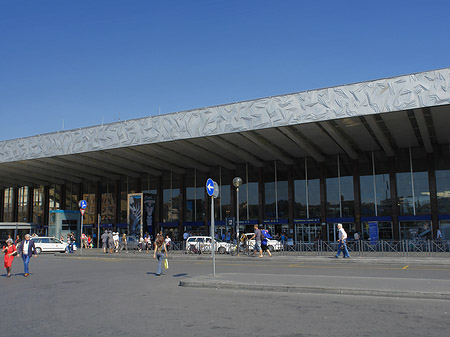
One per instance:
(237, 182)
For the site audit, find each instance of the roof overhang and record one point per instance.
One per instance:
(386, 114)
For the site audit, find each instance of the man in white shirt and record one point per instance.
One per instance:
(342, 242)
(27, 249)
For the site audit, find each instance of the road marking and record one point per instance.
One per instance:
(405, 267)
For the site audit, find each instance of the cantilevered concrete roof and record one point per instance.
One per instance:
(386, 114)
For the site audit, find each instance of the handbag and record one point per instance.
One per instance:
(166, 264)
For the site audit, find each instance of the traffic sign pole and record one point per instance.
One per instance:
(81, 239)
(82, 204)
(213, 241)
(213, 191)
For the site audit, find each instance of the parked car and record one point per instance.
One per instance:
(132, 243)
(272, 244)
(48, 244)
(203, 244)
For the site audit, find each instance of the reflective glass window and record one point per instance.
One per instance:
(443, 191)
(23, 204)
(171, 197)
(38, 205)
(8, 205)
(108, 202)
(89, 194)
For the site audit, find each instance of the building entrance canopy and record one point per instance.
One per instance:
(387, 114)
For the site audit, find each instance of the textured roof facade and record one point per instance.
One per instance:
(413, 91)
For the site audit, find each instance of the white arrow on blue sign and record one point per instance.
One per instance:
(210, 187)
(82, 204)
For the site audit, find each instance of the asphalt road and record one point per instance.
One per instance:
(98, 296)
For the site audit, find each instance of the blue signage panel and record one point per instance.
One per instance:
(308, 220)
(275, 221)
(210, 187)
(373, 232)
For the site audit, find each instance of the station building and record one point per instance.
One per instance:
(375, 151)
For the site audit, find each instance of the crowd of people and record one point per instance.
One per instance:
(111, 243)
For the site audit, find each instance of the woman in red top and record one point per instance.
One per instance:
(10, 251)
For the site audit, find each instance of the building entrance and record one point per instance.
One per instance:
(333, 234)
(415, 230)
(308, 232)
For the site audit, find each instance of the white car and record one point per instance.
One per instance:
(48, 244)
(272, 244)
(196, 244)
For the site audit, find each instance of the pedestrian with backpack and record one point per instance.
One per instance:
(264, 236)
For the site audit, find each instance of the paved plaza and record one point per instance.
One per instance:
(104, 295)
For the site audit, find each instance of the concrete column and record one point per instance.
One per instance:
(159, 205)
(323, 200)
(182, 207)
(433, 194)
(15, 199)
(63, 196)
(291, 196)
(2, 205)
(30, 203)
(357, 195)
(98, 199)
(117, 191)
(232, 195)
(46, 204)
(261, 195)
(394, 200)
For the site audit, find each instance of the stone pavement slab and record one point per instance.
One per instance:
(366, 286)
(277, 257)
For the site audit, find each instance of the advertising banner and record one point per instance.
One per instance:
(149, 208)
(135, 205)
(373, 232)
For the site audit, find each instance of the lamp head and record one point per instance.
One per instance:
(237, 182)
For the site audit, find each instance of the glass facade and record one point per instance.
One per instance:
(23, 204)
(127, 186)
(374, 185)
(54, 197)
(8, 213)
(171, 198)
(184, 197)
(339, 181)
(306, 190)
(412, 184)
(72, 196)
(195, 195)
(443, 191)
(108, 202)
(38, 205)
(89, 194)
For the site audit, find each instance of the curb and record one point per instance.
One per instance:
(229, 285)
(276, 259)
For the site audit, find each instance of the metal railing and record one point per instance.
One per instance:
(371, 248)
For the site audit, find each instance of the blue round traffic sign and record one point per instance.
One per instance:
(82, 204)
(210, 187)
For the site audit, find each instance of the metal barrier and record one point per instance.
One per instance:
(373, 248)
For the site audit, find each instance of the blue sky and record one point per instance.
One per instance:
(76, 63)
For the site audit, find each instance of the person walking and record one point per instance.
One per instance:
(104, 238)
(257, 237)
(264, 236)
(10, 251)
(157, 253)
(168, 242)
(124, 242)
(27, 249)
(110, 242)
(342, 242)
